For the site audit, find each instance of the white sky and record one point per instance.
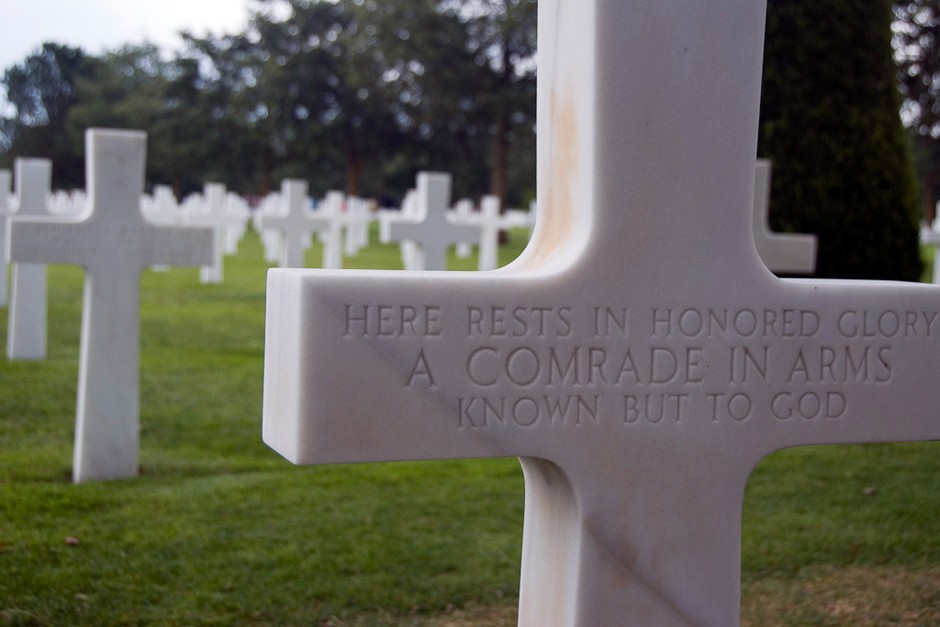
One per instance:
(97, 25)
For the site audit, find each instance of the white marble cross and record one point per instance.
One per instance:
(26, 321)
(214, 215)
(297, 223)
(6, 210)
(786, 253)
(114, 244)
(328, 220)
(357, 220)
(433, 233)
(408, 212)
(638, 357)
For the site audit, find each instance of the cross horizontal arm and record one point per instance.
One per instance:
(868, 357)
(492, 364)
(399, 341)
(58, 240)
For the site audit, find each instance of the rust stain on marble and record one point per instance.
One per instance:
(557, 207)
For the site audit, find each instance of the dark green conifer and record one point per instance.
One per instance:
(842, 166)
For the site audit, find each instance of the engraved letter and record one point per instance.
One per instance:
(477, 379)
(353, 319)
(421, 369)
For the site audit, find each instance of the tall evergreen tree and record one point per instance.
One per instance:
(830, 124)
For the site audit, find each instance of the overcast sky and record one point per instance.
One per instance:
(97, 25)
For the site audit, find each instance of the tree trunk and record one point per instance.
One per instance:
(929, 193)
(267, 173)
(354, 167)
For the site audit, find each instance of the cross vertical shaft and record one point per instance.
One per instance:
(108, 407)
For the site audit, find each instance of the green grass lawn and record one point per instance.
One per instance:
(219, 530)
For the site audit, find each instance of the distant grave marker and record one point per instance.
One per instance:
(432, 233)
(328, 220)
(114, 244)
(296, 221)
(214, 215)
(408, 212)
(638, 357)
(786, 253)
(239, 214)
(26, 322)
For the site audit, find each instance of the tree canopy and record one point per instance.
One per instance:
(352, 94)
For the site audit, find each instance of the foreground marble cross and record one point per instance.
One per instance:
(638, 357)
(114, 244)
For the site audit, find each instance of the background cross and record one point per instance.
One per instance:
(433, 233)
(114, 244)
(785, 253)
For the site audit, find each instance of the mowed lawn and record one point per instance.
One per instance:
(219, 530)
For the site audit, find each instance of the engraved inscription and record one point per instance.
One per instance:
(514, 367)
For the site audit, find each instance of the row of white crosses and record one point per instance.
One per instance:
(784, 253)
(27, 329)
(227, 214)
(427, 228)
(26, 322)
(639, 357)
(425, 224)
(115, 238)
(287, 220)
(114, 244)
